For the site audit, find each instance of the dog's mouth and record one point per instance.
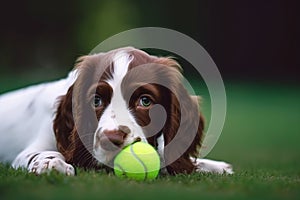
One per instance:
(110, 151)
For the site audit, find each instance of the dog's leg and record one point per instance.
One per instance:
(212, 166)
(39, 162)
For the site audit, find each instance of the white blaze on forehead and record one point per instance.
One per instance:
(121, 63)
(117, 112)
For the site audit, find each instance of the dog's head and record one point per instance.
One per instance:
(124, 96)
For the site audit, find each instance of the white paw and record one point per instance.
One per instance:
(45, 162)
(211, 166)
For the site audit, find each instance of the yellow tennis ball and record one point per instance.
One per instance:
(139, 161)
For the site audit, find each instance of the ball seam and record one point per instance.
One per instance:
(136, 157)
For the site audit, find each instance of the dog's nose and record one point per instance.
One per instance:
(112, 140)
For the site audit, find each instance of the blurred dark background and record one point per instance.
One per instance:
(248, 39)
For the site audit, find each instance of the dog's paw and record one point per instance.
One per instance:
(212, 166)
(46, 162)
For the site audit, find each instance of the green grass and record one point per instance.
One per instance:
(249, 183)
(260, 138)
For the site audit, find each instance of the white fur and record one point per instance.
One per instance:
(117, 113)
(219, 167)
(26, 121)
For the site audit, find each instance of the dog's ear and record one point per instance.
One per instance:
(75, 120)
(63, 124)
(183, 130)
(182, 133)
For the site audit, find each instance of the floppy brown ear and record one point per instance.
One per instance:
(183, 129)
(182, 134)
(63, 125)
(71, 118)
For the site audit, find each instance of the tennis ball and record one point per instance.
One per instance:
(139, 161)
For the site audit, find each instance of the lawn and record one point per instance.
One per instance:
(260, 138)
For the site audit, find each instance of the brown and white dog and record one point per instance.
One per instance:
(110, 100)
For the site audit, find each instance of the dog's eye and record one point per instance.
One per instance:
(145, 101)
(97, 101)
